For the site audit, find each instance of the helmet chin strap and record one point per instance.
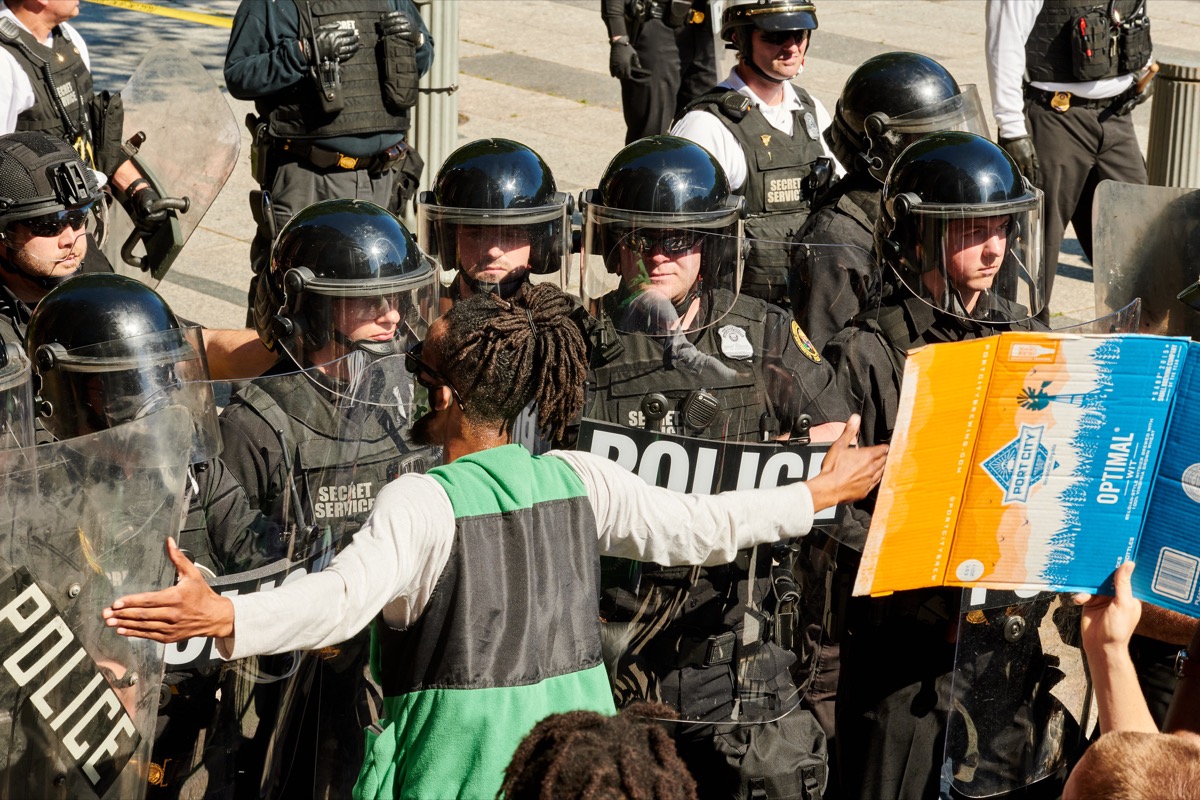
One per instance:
(369, 346)
(506, 288)
(749, 59)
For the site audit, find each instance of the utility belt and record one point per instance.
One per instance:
(673, 12)
(1062, 102)
(325, 159)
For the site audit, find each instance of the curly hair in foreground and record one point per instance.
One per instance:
(582, 755)
(500, 354)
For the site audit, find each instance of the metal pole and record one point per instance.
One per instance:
(1173, 152)
(435, 119)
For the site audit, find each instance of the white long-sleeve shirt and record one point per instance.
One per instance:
(706, 130)
(16, 92)
(1009, 23)
(396, 558)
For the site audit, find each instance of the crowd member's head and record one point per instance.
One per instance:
(892, 100)
(770, 36)
(960, 228)
(581, 755)
(494, 218)
(1132, 765)
(107, 350)
(46, 12)
(48, 200)
(662, 226)
(488, 357)
(353, 281)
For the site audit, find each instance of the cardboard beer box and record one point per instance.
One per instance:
(1041, 461)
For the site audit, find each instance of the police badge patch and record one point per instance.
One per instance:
(810, 125)
(734, 343)
(805, 344)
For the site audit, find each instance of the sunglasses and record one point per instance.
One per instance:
(53, 224)
(417, 368)
(780, 38)
(668, 241)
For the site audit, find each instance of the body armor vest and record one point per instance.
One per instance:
(620, 387)
(297, 114)
(778, 187)
(335, 496)
(1053, 47)
(69, 82)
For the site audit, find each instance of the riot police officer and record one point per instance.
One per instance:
(45, 61)
(493, 219)
(333, 85)
(765, 132)
(887, 103)
(958, 233)
(317, 437)
(694, 357)
(109, 350)
(48, 199)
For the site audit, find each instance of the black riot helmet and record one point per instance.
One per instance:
(342, 263)
(662, 200)
(961, 229)
(495, 193)
(892, 100)
(740, 17)
(44, 186)
(108, 349)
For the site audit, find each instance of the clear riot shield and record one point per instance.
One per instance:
(1123, 320)
(302, 714)
(1021, 696)
(88, 524)
(16, 398)
(190, 147)
(1146, 243)
(701, 397)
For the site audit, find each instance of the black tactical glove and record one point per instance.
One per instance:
(623, 60)
(333, 43)
(144, 205)
(1022, 151)
(397, 23)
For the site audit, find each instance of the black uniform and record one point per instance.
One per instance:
(763, 393)
(311, 154)
(829, 285)
(286, 409)
(674, 45)
(891, 714)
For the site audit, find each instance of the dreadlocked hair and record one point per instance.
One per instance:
(501, 353)
(583, 755)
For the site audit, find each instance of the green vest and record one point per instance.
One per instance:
(510, 634)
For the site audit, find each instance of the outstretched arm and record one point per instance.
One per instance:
(1108, 622)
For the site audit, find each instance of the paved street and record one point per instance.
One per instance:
(537, 71)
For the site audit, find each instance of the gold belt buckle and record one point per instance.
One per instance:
(347, 162)
(1061, 101)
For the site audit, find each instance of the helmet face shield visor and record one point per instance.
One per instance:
(98, 387)
(888, 136)
(16, 399)
(496, 248)
(981, 263)
(658, 273)
(379, 317)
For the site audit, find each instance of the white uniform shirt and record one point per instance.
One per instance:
(706, 130)
(1009, 23)
(398, 555)
(16, 92)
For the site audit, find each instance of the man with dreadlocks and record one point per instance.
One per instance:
(483, 572)
(582, 755)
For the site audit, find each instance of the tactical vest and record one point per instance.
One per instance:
(69, 82)
(778, 190)
(508, 636)
(336, 497)
(1053, 50)
(619, 388)
(298, 114)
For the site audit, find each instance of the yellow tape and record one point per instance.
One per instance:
(173, 13)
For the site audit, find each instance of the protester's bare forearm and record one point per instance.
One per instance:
(1119, 700)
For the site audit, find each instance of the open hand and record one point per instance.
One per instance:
(849, 472)
(187, 609)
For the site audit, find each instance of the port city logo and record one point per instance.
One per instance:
(1019, 465)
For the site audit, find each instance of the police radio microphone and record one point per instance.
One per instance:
(327, 72)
